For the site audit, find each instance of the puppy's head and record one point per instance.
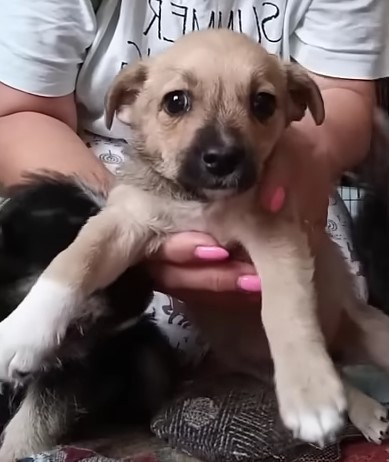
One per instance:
(208, 112)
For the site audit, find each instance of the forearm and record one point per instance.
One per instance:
(31, 142)
(344, 137)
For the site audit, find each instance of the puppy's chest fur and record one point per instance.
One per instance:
(220, 219)
(164, 207)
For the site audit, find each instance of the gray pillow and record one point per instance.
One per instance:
(235, 419)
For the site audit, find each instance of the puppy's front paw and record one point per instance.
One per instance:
(32, 332)
(370, 417)
(24, 444)
(18, 451)
(312, 402)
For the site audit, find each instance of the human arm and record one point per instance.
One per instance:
(344, 137)
(318, 155)
(342, 44)
(38, 117)
(39, 133)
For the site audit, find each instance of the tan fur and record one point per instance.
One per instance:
(220, 82)
(32, 428)
(221, 69)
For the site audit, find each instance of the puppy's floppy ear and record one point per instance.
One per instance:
(303, 93)
(123, 92)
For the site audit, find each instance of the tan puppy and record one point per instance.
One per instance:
(205, 117)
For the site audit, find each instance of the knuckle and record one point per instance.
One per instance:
(219, 283)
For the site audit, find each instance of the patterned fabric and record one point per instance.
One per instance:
(76, 454)
(229, 420)
(73, 454)
(216, 419)
(351, 452)
(236, 420)
(339, 223)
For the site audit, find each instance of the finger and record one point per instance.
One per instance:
(185, 248)
(274, 184)
(231, 277)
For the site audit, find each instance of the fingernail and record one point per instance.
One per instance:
(211, 253)
(277, 200)
(249, 283)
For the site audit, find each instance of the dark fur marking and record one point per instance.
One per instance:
(239, 176)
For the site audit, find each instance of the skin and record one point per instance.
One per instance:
(191, 266)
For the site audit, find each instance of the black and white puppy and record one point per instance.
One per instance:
(115, 366)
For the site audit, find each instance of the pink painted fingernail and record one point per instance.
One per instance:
(249, 283)
(277, 200)
(211, 253)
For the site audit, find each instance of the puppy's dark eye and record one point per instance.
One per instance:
(263, 105)
(176, 102)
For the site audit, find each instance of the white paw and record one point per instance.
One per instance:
(316, 426)
(377, 429)
(371, 418)
(16, 447)
(313, 404)
(32, 332)
(24, 445)
(13, 455)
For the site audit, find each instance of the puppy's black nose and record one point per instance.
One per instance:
(222, 161)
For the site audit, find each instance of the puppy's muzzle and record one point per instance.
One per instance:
(217, 161)
(222, 161)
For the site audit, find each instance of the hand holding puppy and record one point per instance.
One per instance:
(193, 266)
(304, 176)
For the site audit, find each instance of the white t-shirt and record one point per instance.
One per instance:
(53, 47)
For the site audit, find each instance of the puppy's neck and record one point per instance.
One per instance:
(139, 173)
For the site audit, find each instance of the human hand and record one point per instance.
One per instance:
(299, 171)
(192, 267)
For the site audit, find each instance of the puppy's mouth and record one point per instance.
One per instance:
(217, 165)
